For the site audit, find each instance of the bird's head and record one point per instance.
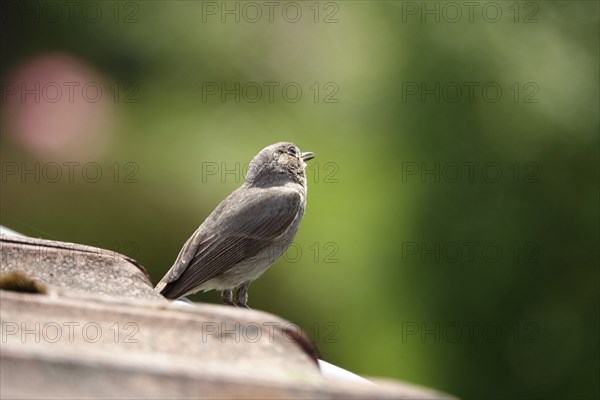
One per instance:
(277, 164)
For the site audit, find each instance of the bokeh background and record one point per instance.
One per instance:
(452, 229)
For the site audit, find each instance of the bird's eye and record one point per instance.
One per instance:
(292, 150)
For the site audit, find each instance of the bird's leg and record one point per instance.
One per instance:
(241, 296)
(227, 297)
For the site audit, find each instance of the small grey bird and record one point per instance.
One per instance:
(247, 232)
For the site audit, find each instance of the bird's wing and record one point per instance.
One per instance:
(240, 227)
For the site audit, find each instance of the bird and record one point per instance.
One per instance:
(247, 232)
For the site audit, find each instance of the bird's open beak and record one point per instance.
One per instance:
(308, 156)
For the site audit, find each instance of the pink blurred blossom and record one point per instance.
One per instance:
(58, 107)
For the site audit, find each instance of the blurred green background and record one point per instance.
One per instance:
(452, 228)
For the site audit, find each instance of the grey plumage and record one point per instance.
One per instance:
(247, 232)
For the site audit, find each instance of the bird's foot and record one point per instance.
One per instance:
(227, 297)
(241, 296)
